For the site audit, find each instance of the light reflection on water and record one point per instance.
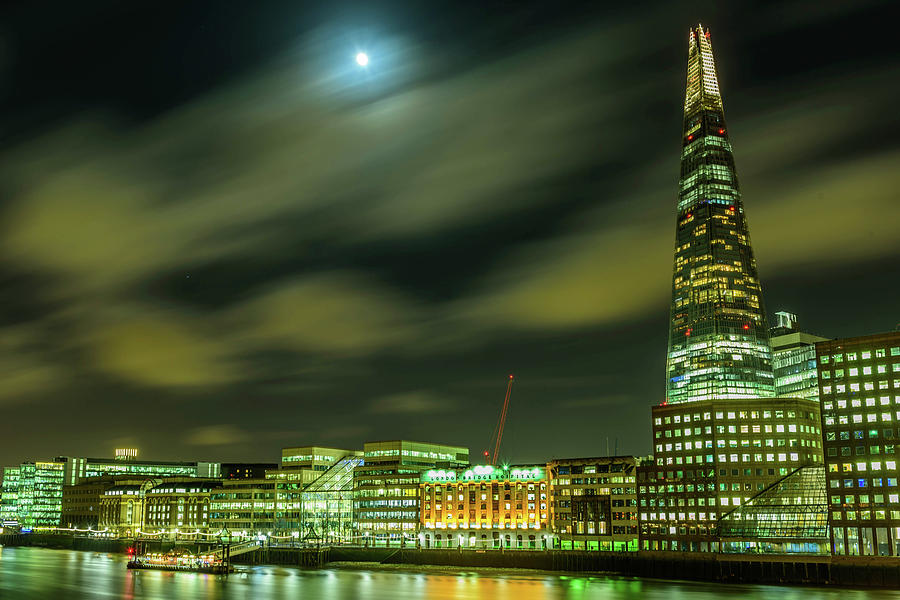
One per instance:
(27, 573)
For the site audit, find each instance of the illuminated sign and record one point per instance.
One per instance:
(483, 473)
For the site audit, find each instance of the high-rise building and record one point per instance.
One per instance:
(859, 388)
(794, 359)
(718, 333)
(722, 439)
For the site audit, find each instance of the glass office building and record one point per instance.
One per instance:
(32, 494)
(859, 388)
(326, 514)
(718, 335)
(789, 517)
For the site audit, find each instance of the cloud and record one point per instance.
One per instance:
(413, 402)
(339, 313)
(216, 435)
(159, 350)
(26, 368)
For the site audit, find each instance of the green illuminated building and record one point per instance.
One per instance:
(32, 494)
(9, 496)
(326, 515)
(718, 335)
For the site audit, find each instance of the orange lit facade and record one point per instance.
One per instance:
(485, 507)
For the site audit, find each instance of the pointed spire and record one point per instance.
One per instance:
(702, 88)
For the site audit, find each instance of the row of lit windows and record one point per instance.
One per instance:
(863, 355)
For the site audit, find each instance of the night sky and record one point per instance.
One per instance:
(220, 236)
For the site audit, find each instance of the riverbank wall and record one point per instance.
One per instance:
(800, 570)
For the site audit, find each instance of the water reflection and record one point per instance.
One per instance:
(27, 573)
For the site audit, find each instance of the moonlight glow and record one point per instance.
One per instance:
(362, 59)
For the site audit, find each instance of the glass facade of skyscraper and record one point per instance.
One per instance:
(859, 387)
(718, 336)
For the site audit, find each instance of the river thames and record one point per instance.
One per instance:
(27, 573)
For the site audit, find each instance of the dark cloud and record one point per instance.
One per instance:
(316, 255)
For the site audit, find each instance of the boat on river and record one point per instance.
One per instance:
(180, 561)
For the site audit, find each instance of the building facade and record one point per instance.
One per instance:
(859, 387)
(718, 332)
(81, 502)
(327, 504)
(794, 359)
(306, 463)
(122, 506)
(32, 494)
(256, 507)
(387, 495)
(178, 506)
(485, 507)
(593, 503)
(710, 457)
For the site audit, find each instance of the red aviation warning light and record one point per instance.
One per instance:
(746, 325)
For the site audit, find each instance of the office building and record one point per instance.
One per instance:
(32, 495)
(386, 488)
(859, 388)
(593, 503)
(306, 463)
(712, 456)
(256, 507)
(327, 504)
(794, 359)
(718, 333)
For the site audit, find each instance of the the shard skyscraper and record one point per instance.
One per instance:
(718, 332)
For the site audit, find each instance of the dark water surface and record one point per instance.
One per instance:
(27, 573)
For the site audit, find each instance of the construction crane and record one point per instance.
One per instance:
(492, 458)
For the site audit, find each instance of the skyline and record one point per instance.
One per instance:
(230, 298)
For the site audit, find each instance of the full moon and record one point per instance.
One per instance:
(362, 59)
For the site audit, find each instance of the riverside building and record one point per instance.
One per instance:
(710, 457)
(718, 333)
(178, 506)
(485, 506)
(35, 500)
(593, 503)
(859, 387)
(387, 491)
(721, 437)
